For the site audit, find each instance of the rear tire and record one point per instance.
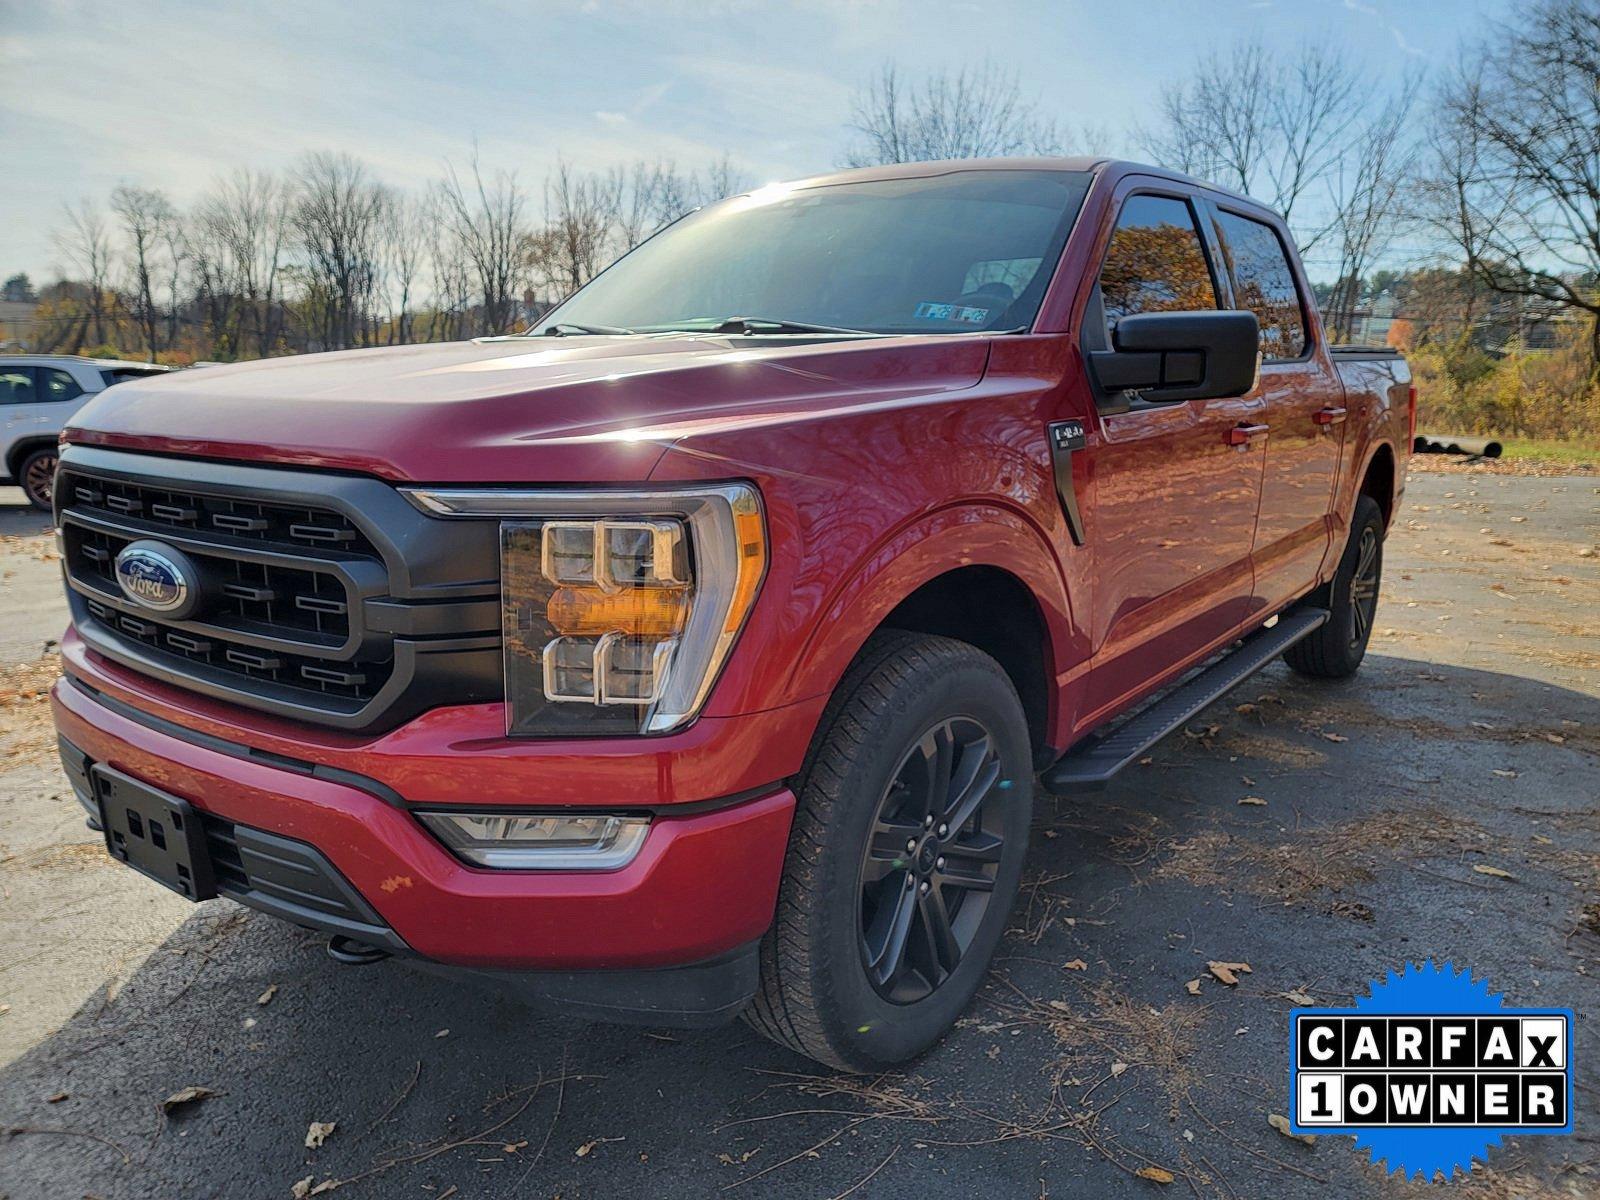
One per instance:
(36, 476)
(888, 915)
(1336, 649)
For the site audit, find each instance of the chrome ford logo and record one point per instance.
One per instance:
(157, 577)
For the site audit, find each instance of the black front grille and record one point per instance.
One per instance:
(327, 598)
(182, 510)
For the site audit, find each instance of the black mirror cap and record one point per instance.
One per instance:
(1202, 355)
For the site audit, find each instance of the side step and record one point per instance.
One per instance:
(1092, 762)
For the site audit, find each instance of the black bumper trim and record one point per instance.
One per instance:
(700, 995)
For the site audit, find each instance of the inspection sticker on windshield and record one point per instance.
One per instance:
(929, 311)
(1430, 1070)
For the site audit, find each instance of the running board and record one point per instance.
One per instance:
(1090, 764)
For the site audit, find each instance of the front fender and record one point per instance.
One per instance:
(919, 551)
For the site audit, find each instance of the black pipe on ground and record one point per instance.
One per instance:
(1449, 443)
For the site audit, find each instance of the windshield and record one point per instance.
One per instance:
(956, 253)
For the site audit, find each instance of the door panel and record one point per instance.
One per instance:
(1302, 458)
(1297, 384)
(1175, 510)
(1174, 505)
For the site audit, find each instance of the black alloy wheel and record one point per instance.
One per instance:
(929, 868)
(1364, 587)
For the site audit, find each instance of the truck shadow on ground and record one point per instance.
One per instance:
(1102, 1045)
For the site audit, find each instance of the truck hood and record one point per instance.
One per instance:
(517, 410)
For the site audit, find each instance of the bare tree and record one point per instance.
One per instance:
(145, 216)
(1516, 184)
(86, 243)
(488, 220)
(405, 244)
(976, 112)
(337, 218)
(1367, 191)
(1268, 127)
(578, 237)
(243, 230)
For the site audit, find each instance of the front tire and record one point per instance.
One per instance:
(905, 857)
(36, 475)
(1336, 649)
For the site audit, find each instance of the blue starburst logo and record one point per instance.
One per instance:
(1430, 1071)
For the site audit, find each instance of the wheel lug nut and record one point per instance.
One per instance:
(911, 844)
(939, 862)
(943, 829)
(925, 887)
(911, 881)
(927, 821)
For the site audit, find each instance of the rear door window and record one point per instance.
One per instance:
(56, 386)
(16, 386)
(1264, 283)
(1155, 262)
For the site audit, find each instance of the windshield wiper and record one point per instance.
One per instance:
(566, 328)
(751, 325)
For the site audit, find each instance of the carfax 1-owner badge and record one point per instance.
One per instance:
(1430, 1071)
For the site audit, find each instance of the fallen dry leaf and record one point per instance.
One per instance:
(1300, 999)
(1281, 1124)
(266, 996)
(1117, 1068)
(1555, 739)
(1485, 869)
(1254, 801)
(1076, 964)
(1504, 774)
(188, 1095)
(1228, 972)
(56, 1099)
(318, 1133)
(302, 1188)
(1336, 737)
(1192, 987)
(1156, 1175)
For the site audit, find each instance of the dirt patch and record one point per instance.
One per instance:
(73, 856)
(1319, 864)
(1440, 464)
(26, 732)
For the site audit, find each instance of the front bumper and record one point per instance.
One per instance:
(700, 892)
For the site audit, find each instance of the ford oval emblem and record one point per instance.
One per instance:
(157, 577)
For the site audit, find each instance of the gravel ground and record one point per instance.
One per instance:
(1469, 739)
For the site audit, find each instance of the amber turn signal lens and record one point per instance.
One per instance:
(636, 612)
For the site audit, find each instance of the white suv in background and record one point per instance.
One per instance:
(38, 392)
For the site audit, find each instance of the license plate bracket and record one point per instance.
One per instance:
(156, 834)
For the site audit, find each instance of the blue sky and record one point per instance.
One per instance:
(170, 93)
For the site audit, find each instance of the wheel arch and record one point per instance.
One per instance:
(983, 576)
(24, 447)
(1378, 480)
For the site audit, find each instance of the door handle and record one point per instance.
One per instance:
(1243, 434)
(1329, 416)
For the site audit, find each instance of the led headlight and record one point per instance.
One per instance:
(555, 842)
(618, 609)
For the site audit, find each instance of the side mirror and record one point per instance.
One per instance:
(1172, 356)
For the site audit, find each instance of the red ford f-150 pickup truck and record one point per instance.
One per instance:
(700, 653)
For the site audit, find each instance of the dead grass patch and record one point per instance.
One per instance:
(1318, 863)
(26, 731)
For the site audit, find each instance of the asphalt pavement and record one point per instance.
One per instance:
(1102, 1046)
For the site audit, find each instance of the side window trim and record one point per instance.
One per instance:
(1306, 333)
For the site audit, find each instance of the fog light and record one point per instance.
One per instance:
(551, 842)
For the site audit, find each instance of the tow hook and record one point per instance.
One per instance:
(352, 953)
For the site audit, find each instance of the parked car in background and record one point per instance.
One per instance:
(701, 654)
(38, 392)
